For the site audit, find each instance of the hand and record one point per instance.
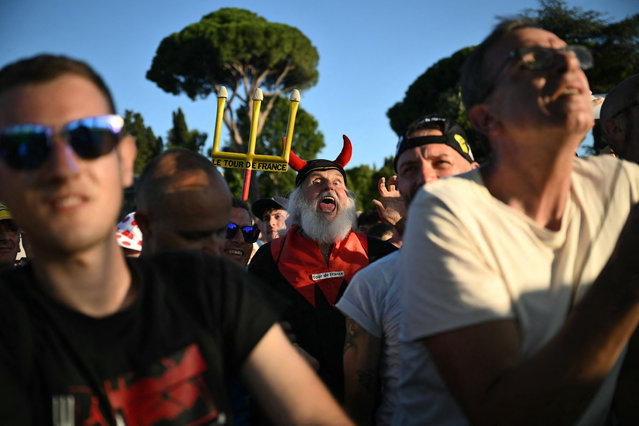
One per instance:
(391, 208)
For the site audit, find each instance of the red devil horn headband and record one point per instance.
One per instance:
(342, 159)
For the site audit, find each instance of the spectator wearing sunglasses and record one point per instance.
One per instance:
(241, 234)
(620, 119)
(183, 203)
(93, 337)
(520, 276)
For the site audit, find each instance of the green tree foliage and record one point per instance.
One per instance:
(363, 180)
(241, 50)
(359, 181)
(430, 92)
(181, 137)
(308, 141)
(615, 47)
(147, 143)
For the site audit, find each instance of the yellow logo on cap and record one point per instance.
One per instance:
(462, 143)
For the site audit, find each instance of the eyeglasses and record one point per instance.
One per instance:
(27, 146)
(538, 58)
(250, 233)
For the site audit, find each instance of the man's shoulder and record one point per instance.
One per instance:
(262, 257)
(379, 273)
(605, 175)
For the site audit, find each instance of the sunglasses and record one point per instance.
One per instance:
(538, 58)
(27, 146)
(250, 233)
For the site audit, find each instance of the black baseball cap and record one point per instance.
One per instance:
(262, 205)
(453, 136)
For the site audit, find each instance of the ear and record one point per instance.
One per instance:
(615, 129)
(482, 119)
(127, 151)
(474, 165)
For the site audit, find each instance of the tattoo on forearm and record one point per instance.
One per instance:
(352, 330)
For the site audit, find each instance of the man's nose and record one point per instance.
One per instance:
(238, 237)
(565, 61)
(428, 174)
(62, 161)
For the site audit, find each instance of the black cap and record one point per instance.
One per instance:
(314, 165)
(262, 205)
(453, 136)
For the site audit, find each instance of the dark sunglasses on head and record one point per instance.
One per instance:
(27, 146)
(538, 58)
(250, 233)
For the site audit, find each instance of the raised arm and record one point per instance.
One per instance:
(286, 387)
(391, 207)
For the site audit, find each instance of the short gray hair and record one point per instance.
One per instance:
(473, 80)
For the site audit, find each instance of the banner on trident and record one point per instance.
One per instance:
(250, 160)
(263, 166)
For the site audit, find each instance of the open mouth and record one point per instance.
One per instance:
(327, 204)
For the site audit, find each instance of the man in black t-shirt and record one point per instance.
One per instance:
(89, 337)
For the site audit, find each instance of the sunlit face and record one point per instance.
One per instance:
(9, 243)
(427, 163)
(322, 189)
(555, 99)
(236, 249)
(68, 204)
(273, 224)
(192, 218)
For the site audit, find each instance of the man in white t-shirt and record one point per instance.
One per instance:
(432, 147)
(518, 275)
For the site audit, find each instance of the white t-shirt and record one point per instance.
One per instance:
(469, 258)
(372, 301)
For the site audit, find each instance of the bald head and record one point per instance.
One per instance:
(619, 117)
(183, 202)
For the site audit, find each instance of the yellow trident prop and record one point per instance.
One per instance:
(252, 161)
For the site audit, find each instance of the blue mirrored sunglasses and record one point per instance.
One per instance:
(249, 233)
(27, 146)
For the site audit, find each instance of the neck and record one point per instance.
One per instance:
(535, 182)
(96, 282)
(324, 248)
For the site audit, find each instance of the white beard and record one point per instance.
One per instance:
(314, 224)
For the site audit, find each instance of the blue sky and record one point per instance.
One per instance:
(370, 52)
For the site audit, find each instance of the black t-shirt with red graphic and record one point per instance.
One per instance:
(165, 360)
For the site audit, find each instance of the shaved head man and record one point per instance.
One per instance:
(183, 202)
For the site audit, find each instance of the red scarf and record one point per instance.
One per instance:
(303, 266)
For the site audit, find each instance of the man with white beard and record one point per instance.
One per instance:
(311, 266)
